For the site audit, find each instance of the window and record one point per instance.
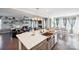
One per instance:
(68, 27)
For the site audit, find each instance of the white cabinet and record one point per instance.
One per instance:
(52, 41)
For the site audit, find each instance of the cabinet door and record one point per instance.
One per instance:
(51, 43)
(55, 38)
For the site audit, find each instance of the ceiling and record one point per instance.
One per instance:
(44, 12)
(13, 12)
(51, 12)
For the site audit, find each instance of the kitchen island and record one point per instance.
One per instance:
(30, 40)
(33, 40)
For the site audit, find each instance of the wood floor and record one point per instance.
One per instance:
(70, 43)
(6, 43)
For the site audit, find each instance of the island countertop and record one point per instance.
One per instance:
(29, 40)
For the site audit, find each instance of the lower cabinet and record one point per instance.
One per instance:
(51, 42)
(46, 44)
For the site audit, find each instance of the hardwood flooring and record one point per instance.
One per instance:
(70, 43)
(63, 44)
(8, 43)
